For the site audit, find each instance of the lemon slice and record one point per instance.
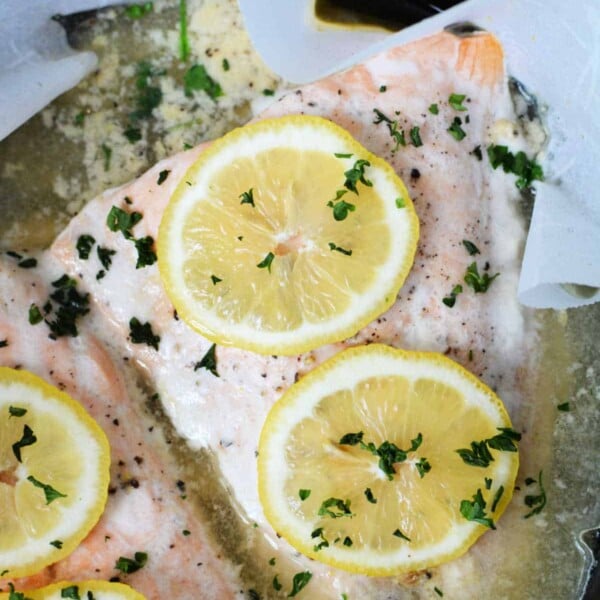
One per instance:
(358, 464)
(82, 590)
(54, 473)
(281, 237)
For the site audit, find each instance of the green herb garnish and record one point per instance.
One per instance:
(141, 333)
(268, 92)
(137, 11)
(357, 174)
(35, 316)
(4, 343)
(433, 109)
(342, 155)
(400, 202)
(105, 256)
(247, 197)
(351, 439)
(339, 249)
(84, 246)
(265, 263)
(450, 300)
(209, 361)
(107, 153)
(341, 208)
(49, 492)
(324, 543)
(16, 411)
(475, 511)
(479, 283)
(303, 494)
(27, 263)
(27, 439)
(415, 137)
(343, 508)
(438, 591)
(401, 535)
(456, 131)
(57, 544)
(276, 585)
(497, 497)
(472, 249)
(131, 565)
(476, 152)
(133, 134)
(488, 483)
(347, 541)
(536, 502)
(70, 592)
(456, 101)
(564, 407)
(369, 496)
(184, 43)
(146, 254)
(215, 279)
(299, 582)
(225, 64)
(396, 134)
(197, 78)
(120, 220)
(383, 88)
(423, 467)
(526, 170)
(12, 594)
(479, 454)
(162, 176)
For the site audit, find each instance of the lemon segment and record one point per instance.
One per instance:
(99, 590)
(325, 278)
(357, 515)
(54, 473)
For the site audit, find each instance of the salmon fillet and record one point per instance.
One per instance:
(145, 509)
(457, 197)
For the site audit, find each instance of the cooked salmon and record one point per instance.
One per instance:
(458, 198)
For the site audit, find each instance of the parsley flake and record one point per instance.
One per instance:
(105, 256)
(12, 594)
(57, 544)
(107, 153)
(215, 279)
(475, 510)
(401, 535)
(369, 496)
(209, 361)
(197, 78)
(415, 137)
(476, 152)
(225, 64)
(341, 209)
(265, 263)
(497, 497)
(383, 88)
(400, 202)
(526, 170)
(146, 254)
(343, 508)
(339, 249)
(120, 220)
(27, 439)
(471, 248)
(303, 494)
(70, 592)
(479, 283)
(351, 439)
(141, 333)
(247, 197)
(438, 592)
(4, 343)
(272, 561)
(299, 582)
(433, 109)
(137, 11)
(342, 155)
(28, 263)
(84, 246)
(536, 502)
(184, 42)
(276, 585)
(268, 92)
(456, 101)
(456, 131)
(564, 407)
(133, 134)
(16, 411)
(49, 492)
(131, 565)
(450, 300)
(357, 174)
(423, 467)
(35, 316)
(347, 541)
(162, 176)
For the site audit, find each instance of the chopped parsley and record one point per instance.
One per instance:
(369, 496)
(456, 101)
(79, 119)
(479, 454)
(16, 411)
(27, 439)
(27, 263)
(247, 197)
(342, 155)
(133, 134)
(4, 343)
(423, 467)
(475, 510)
(497, 497)
(433, 109)
(225, 64)
(268, 92)
(299, 582)
(141, 333)
(84, 246)
(456, 131)
(137, 11)
(438, 592)
(49, 492)
(12, 594)
(272, 561)
(186, 532)
(71, 305)
(35, 316)
(162, 176)
(526, 170)
(341, 208)
(327, 508)
(450, 300)
(107, 153)
(351, 439)
(536, 502)
(401, 535)
(276, 585)
(356, 174)
(396, 134)
(123, 221)
(471, 248)
(383, 88)
(324, 543)
(347, 541)
(564, 407)
(415, 136)
(184, 42)
(488, 483)
(400, 202)
(197, 78)
(215, 279)
(209, 361)
(339, 249)
(131, 565)
(265, 263)
(71, 591)
(57, 544)
(476, 152)
(303, 494)
(148, 96)
(479, 283)
(105, 256)
(146, 254)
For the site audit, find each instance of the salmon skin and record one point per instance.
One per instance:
(145, 511)
(458, 198)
